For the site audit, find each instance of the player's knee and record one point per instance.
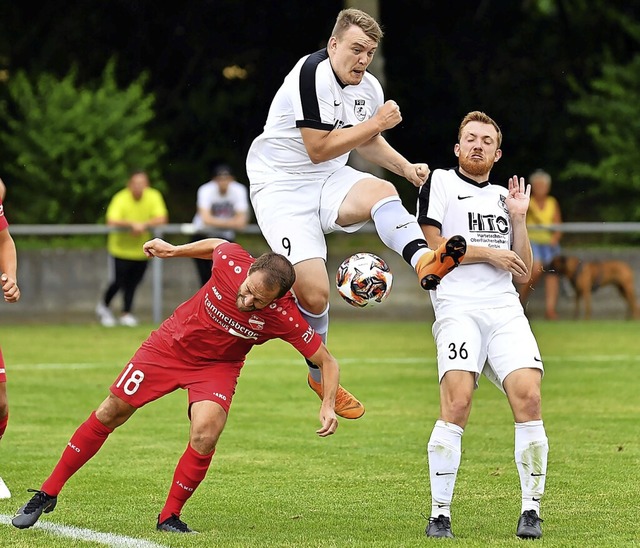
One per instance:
(381, 189)
(114, 412)
(204, 440)
(368, 192)
(387, 188)
(456, 409)
(527, 405)
(532, 404)
(315, 301)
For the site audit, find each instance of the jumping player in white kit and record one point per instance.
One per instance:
(302, 189)
(480, 325)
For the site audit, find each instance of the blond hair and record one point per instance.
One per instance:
(477, 116)
(352, 16)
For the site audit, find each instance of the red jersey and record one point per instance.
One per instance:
(3, 220)
(209, 328)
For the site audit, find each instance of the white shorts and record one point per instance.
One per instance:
(294, 212)
(494, 341)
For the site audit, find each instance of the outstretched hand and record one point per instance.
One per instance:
(518, 199)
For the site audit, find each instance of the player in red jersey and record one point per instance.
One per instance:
(201, 348)
(8, 269)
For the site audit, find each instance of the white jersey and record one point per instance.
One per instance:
(458, 205)
(234, 200)
(311, 96)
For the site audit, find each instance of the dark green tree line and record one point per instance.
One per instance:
(610, 109)
(212, 67)
(521, 62)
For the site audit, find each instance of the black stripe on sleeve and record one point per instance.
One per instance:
(308, 95)
(423, 201)
(313, 125)
(423, 206)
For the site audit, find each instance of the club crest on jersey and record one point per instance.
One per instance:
(503, 203)
(359, 110)
(256, 322)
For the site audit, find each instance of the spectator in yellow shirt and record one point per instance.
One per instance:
(134, 210)
(545, 244)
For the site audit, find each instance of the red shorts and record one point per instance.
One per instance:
(150, 375)
(3, 374)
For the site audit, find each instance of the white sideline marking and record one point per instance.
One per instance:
(110, 539)
(51, 366)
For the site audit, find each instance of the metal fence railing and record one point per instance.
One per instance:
(187, 229)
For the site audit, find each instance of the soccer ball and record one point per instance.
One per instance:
(364, 279)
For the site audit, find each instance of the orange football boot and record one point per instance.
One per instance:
(347, 406)
(432, 267)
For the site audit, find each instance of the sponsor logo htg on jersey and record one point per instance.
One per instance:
(479, 222)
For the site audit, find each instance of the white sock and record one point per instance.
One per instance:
(444, 451)
(320, 323)
(531, 451)
(398, 229)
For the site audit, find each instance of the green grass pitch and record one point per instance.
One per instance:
(273, 482)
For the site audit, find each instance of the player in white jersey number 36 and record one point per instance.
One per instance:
(480, 325)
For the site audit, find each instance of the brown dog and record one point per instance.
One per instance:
(587, 276)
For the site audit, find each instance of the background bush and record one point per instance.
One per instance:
(74, 146)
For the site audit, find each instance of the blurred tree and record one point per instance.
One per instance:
(611, 110)
(214, 66)
(67, 149)
(515, 60)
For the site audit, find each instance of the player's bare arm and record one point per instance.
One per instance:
(330, 380)
(518, 203)
(324, 145)
(504, 259)
(202, 249)
(8, 267)
(378, 151)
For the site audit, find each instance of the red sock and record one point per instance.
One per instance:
(191, 470)
(3, 424)
(85, 442)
